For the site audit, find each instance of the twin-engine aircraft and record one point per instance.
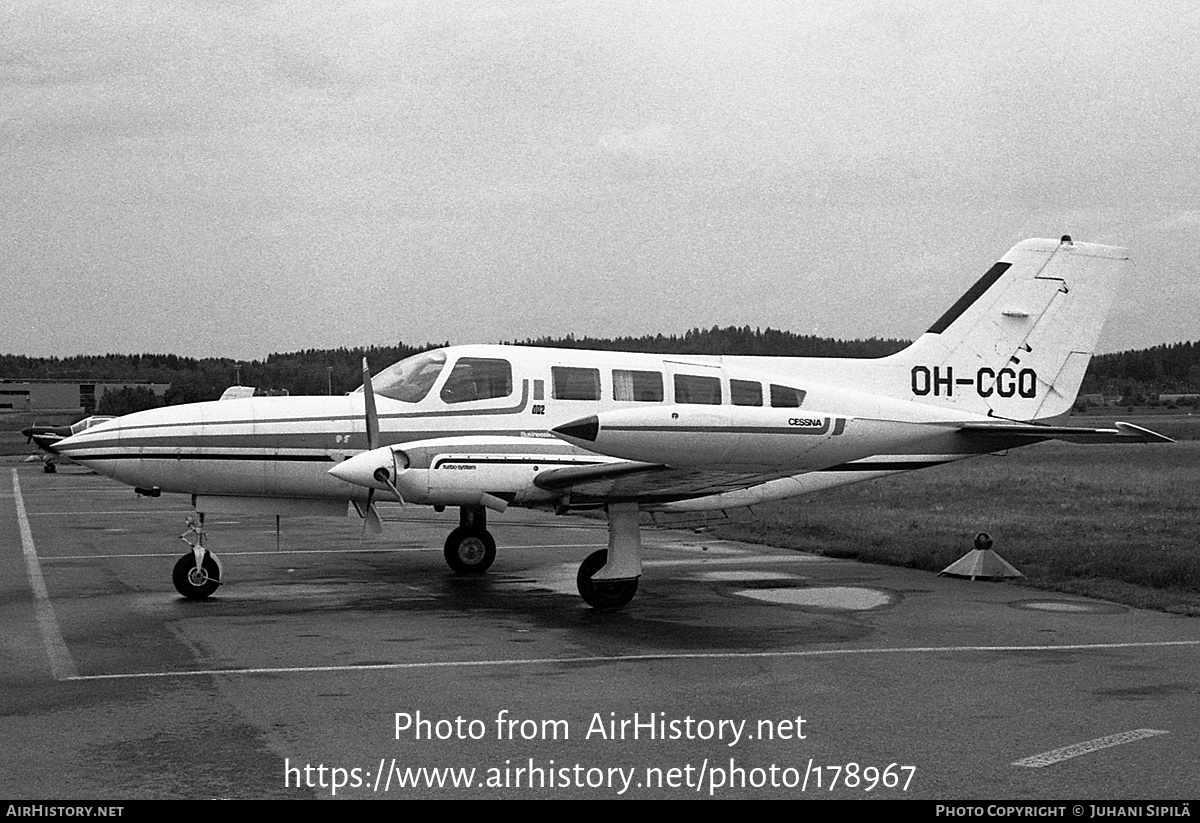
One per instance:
(485, 427)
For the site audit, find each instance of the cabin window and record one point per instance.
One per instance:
(745, 393)
(643, 386)
(478, 378)
(570, 383)
(693, 388)
(785, 397)
(410, 379)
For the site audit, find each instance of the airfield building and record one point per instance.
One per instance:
(62, 397)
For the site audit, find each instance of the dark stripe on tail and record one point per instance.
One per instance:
(974, 293)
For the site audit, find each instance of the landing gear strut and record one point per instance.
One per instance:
(470, 549)
(608, 579)
(198, 573)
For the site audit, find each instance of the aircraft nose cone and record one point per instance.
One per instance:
(587, 428)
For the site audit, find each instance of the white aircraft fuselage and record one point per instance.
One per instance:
(282, 448)
(483, 427)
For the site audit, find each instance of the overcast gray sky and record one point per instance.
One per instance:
(239, 178)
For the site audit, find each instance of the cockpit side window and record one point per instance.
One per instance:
(410, 379)
(478, 378)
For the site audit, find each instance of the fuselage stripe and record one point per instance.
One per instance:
(290, 458)
(824, 429)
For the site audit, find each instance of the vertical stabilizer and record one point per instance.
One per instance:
(1017, 344)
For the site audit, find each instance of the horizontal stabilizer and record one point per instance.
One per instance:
(1122, 433)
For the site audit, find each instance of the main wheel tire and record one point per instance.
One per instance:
(604, 595)
(193, 583)
(470, 551)
(49, 468)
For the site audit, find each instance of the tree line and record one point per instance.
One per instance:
(1142, 373)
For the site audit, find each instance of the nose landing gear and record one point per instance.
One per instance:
(198, 573)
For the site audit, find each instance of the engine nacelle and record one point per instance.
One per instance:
(465, 479)
(464, 471)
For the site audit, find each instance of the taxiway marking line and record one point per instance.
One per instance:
(628, 658)
(77, 512)
(274, 553)
(704, 561)
(62, 665)
(1049, 758)
(237, 554)
(176, 512)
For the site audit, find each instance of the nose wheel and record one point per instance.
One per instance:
(198, 573)
(196, 582)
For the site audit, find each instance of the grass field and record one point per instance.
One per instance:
(1114, 522)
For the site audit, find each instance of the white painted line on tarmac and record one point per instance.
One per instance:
(62, 665)
(627, 658)
(283, 552)
(1037, 761)
(272, 553)
(78, 512)
(702, 560)
(183, 510)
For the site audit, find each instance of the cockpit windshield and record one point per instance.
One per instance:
(410, 379)
(88, 422)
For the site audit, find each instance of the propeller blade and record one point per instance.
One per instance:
(369, 403)
(370, 516)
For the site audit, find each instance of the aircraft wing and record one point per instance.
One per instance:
(642, 482)
(566, 478)
(631, 481)
(1031, 433)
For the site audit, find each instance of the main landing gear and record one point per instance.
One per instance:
(198, 573)
(470, 548)
(607, 579)
(603, 595)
